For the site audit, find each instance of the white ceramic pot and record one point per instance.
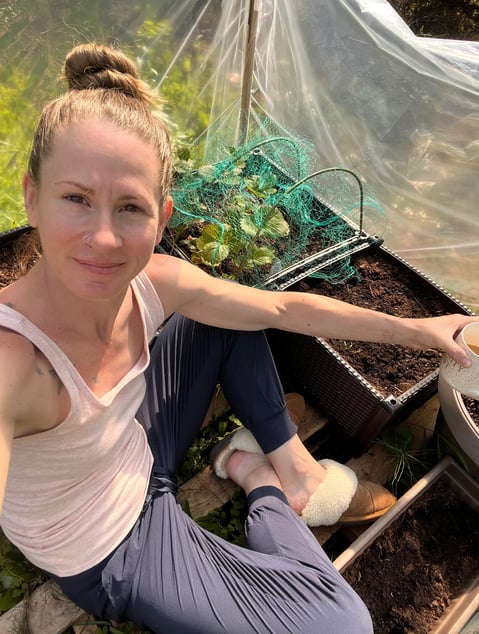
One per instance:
(462, 427)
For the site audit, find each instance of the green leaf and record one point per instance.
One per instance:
(230, 177)
(275, 226)
(8, 581)
(249, 227)
(207, 173)
(259, 256)
(7, 601)
(211, 246)
(261, 186)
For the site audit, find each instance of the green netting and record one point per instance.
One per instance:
(261, 210)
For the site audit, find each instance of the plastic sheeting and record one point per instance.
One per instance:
(400, 110)
(348, 75)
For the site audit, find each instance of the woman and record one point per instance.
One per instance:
(92, 427)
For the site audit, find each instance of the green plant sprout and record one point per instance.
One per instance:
(197, 457)
(408, 464)
(227, 521)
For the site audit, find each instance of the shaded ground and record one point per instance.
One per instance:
(451, 19)
(16, 256)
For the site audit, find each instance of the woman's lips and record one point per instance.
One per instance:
(100, 268)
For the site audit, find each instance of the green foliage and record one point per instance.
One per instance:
(245, 225)
(197, 457)
(17, 576)
(409, 464)
(184, 88)
(246, 217)
(14, 148)
(228, 520)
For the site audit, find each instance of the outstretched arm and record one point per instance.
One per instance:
(186, 289)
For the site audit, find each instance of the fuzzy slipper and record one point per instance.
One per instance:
(343, 499)
(340, 498)
(324, 507)
(333, 496)
(242, 440)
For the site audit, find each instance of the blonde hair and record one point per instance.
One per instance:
(103, 83)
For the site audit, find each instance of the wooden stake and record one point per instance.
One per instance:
(248, 73)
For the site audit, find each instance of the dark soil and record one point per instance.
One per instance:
(415, 569)
(472, 406)
(451, 19)
(16, 256)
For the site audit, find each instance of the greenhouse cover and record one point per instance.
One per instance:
(400, 110)
(346, 77)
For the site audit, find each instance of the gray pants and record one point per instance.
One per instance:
(172, 576)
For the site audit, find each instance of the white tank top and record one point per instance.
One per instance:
(75, 491)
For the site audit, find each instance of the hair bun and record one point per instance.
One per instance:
(97, 66)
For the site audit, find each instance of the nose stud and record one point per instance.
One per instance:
(87, 238)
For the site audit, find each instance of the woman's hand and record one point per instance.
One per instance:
(440, 332)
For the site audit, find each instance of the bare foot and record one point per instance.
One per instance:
(299, 473)
(251, 470)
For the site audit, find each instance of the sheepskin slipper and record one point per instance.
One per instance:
(339, 499)
(325, 506)
(332, 497)
(242, 440)
(343, 499)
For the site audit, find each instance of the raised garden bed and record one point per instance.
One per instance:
(416, 568)
(361, 387)
(247, 218)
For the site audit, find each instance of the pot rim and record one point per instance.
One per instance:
(458, 419)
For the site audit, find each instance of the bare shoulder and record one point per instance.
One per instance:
(177, 281)
(15, 349)
(32, 395)
(168, 269)
(17, 362)
(17, 368)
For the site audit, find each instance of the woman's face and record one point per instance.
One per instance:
(97, 208)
